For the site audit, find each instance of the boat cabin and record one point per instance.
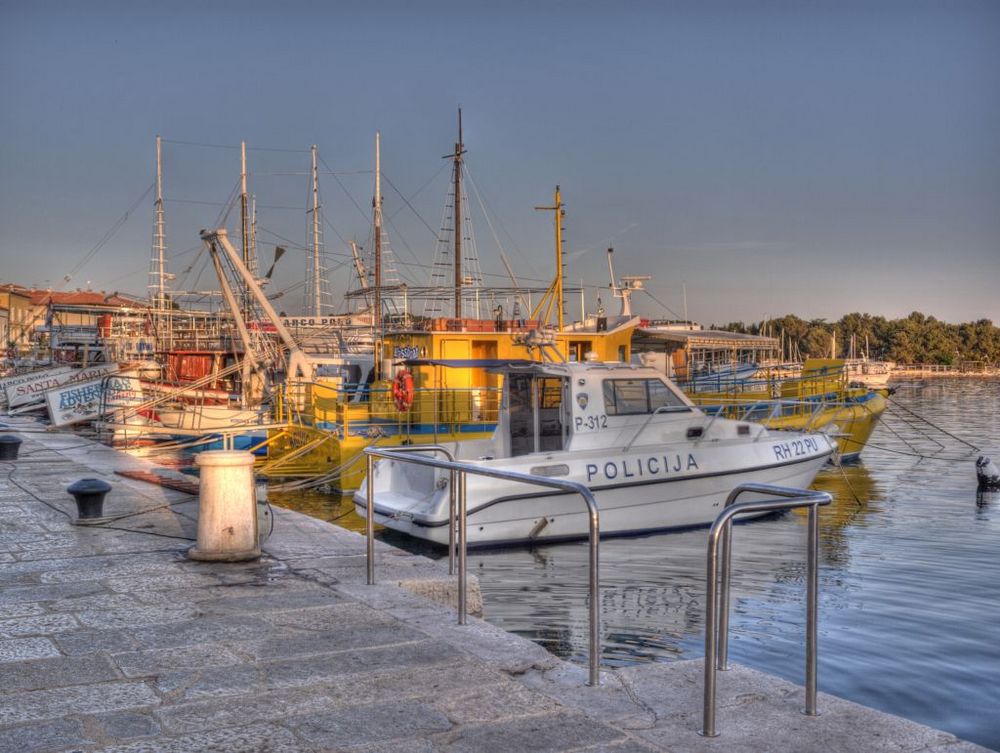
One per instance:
(573, 406)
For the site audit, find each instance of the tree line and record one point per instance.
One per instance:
(916, 339)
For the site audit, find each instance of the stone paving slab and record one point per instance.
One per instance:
(112, 641)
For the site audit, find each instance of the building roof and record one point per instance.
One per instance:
(85, 298)
(704, 338)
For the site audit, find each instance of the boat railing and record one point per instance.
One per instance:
(457, 518)
(659, 411)
(718, 581)
(370, 409)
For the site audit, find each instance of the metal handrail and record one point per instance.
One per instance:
(659, 411)
(461, 470)
(717, 597)
(451, 494)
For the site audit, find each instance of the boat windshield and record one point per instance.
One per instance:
(630, 397)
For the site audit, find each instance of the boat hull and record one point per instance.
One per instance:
(207, 417)
(647, 490)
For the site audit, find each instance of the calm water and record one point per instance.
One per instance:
(909, 576)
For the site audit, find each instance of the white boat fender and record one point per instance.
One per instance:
(987, 473)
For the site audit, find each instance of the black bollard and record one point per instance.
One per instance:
(89, 494)
(9, 446)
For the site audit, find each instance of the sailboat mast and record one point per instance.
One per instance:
(317, 289)
(377, 296)
(160, 235)
(158, 287)
(245, 223)
(458, 219)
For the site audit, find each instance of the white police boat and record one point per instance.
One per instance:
(653, 460)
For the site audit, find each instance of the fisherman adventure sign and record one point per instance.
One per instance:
(84, 401)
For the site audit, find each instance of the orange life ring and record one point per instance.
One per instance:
(402, 391)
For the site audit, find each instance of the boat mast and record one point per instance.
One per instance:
(244, 225)
(359, 269)
(159, 303)
(377, 297)
(159, 233)
(317, 289)
(555, 292)
(457, 157)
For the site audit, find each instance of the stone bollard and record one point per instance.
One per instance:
(9, 446)
(227, 511)
(89, 494)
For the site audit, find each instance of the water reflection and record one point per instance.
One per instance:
(985, 499)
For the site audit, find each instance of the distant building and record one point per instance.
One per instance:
(49, 320)
(69, 324)
(16, 319)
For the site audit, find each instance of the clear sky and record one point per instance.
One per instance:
(814, 158)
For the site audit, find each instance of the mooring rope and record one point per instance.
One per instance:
(931, 423)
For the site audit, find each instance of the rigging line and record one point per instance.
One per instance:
(192, 201)
(407, 201)
(110, 233)
(343, 187)
(665, 306)
(144, 268)
(399, 259)
(326, 221)
(228, 206)
(482, 205)
(295, 245)
(231, 146)
(299, 173)
(485, 200)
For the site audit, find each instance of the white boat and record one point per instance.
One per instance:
(653, 460)
(872, 374)
(193, 417)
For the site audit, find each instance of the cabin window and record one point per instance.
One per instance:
(578, 349)
(627, 397)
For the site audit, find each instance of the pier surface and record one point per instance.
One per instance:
(112, 640)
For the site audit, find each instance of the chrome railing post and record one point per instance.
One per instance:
(451, 521)
(370, 518)
(463, 548)
(717, 596)
(711, 603)
(595, 590)
(812, 609)
(726, 557)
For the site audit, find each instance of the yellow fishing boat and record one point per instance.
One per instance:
(819, 399)
(328, 424)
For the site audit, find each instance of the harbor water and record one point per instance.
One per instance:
(909, 575)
